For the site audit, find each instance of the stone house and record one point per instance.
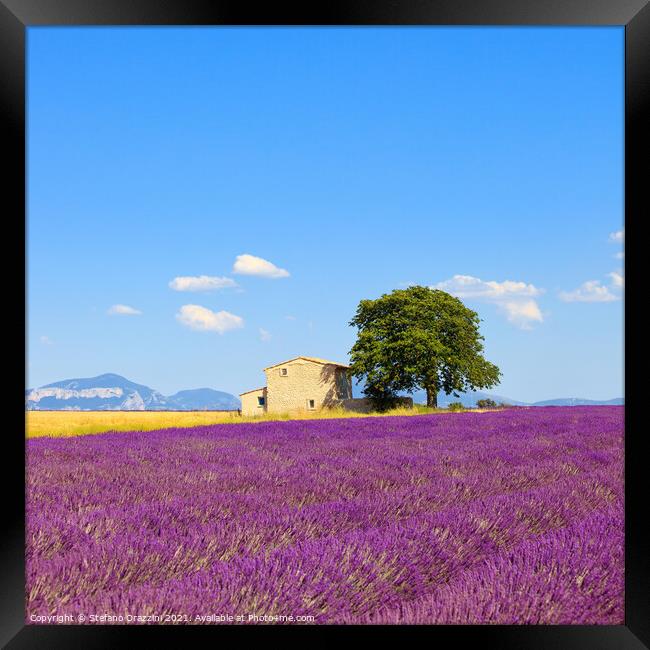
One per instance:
(302, 383)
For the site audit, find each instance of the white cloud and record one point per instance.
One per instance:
(590, 291)
(522, 313)
(203, 319)
(124, 310)
(467, 286)
(250, 265)
(618, 236)
(513, 298)
(290, 317)
(617, 279)
(265, 335)
(201, 283)
(46, 340)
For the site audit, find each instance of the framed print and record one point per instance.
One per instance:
(325, 321)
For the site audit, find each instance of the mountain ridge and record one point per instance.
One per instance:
(113, 392)
(470, 398)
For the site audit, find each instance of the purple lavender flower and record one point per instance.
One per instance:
(505, 517)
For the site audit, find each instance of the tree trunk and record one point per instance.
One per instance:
(432, 397)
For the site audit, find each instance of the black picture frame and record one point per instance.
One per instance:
(17, 15)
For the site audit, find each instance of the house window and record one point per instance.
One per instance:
(311, 404)
(283, 372)
(260, 401)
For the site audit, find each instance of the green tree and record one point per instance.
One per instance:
(418, 338)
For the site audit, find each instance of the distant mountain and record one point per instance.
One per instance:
(467, 399)
(470, 398)
(577, 401)
(204, 399)
(112, 392)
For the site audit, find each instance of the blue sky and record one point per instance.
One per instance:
(485, 161)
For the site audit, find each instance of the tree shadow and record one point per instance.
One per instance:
(337, 383)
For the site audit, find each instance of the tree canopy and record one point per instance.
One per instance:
(419, 338)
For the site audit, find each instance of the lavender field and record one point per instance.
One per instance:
(505, 517)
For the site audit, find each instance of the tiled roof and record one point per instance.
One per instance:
(253, 391)
(325, 362)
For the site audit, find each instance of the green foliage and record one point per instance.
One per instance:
(455, 406)
(384, 402)
(486, 404)
(418, 338)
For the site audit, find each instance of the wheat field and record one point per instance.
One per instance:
(62, 424)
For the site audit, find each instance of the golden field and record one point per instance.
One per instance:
(61, 424)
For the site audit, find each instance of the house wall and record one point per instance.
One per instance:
(250, 404)
(326, 384)
(344, 383)
(358, 405)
